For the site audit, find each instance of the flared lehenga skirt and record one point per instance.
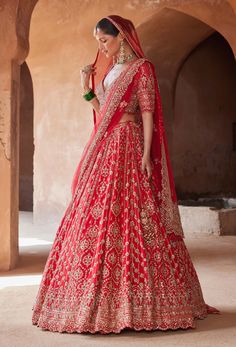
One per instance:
(105, 272)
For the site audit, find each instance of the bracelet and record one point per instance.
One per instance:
(89, 95)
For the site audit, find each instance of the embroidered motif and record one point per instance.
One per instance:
(143, 95)
(115, 208)
(114, 253)
(169, 210)
(110, 265)
(97, 211)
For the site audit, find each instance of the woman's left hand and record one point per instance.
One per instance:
(147, 165)
(85, 75)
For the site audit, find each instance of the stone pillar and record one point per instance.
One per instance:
(14, 29)
(9, 124)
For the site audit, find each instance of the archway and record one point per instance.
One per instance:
(26, 140)
(15, 20)
(170, 38)
(204, 159)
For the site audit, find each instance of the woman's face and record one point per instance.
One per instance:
(108, 44)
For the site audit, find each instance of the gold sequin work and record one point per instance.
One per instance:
(112, 265)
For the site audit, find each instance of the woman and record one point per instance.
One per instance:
(119, 259)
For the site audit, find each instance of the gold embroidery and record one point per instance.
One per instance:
(116, 90)
(115, 208)
(108, 268)
(143, 94)
(169, 210)
(97, 211)
(150, 228)
(146, 89)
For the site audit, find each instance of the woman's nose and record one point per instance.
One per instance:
(100, 46)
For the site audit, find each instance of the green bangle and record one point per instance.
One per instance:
(89, 96)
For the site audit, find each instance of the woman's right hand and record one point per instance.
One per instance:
(147, 165)
(85, 75)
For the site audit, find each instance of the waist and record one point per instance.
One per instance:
(128, 117)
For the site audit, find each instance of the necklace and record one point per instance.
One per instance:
(129, 57)
(125, 59)
(114, 72)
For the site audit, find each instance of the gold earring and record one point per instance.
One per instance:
(121, 57)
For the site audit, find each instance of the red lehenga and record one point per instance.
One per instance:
(119, 259)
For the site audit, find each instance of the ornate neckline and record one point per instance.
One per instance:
(102, 82)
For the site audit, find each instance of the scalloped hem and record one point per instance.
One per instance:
(189, 323)
(116, 330)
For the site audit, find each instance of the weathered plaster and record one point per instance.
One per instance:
(56, 43)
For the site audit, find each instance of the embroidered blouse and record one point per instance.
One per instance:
(143, 92)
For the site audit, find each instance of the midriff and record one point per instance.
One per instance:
(128, 117)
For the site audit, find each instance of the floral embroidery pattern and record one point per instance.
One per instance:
(118, 259)
(116, 267)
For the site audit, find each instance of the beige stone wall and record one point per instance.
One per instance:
(60, 43)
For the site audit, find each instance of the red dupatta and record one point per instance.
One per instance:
(110, 114)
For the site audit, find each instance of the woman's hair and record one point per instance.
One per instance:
(107, 27)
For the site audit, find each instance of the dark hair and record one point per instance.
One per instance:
(107, 27)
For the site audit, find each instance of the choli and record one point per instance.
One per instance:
(143, 91)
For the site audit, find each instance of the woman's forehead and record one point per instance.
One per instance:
(99, 34)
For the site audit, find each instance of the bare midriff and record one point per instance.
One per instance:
(128, 117)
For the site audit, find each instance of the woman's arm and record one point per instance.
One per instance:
(85, 78)
(147, 118)
(146, 99)
(94, 102)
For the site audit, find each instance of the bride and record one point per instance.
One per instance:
(119, 259)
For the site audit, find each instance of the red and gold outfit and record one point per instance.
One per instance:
(119, 259)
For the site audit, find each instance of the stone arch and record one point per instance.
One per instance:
(177, 36)
(167, 16)
(169, 36)
(213, 17)
(204, 117)
(15, 18)
(26, 140)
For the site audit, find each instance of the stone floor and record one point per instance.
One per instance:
(214, 258)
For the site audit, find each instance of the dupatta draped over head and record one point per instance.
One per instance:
(109, 115)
